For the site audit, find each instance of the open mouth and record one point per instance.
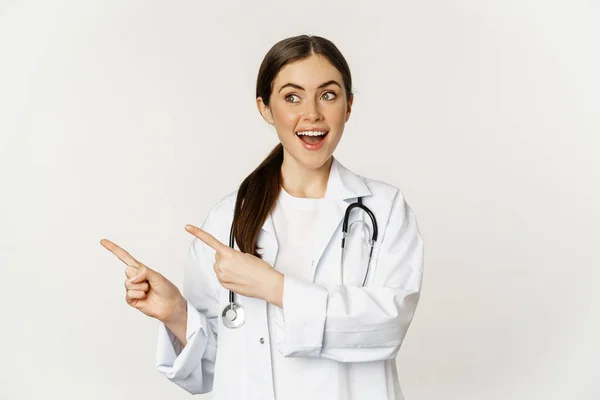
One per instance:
(312, 137)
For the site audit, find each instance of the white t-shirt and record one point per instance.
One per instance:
(294, 219)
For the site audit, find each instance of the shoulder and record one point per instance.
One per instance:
(355, 184)
(223, 209)
(219, 217)
(226, 204)
(384, 195)
(395, 217)
(387, 201)
(381, 189)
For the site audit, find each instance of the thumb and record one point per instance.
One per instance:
(145, 274)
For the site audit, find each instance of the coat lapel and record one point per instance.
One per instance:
(343, 188)
(328, 223)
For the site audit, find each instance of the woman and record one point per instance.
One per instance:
(310, 328)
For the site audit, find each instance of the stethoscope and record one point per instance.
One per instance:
(233, 313)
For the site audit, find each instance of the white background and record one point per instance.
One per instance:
(128, 119)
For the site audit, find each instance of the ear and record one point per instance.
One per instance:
(264, 110)
(349, 109)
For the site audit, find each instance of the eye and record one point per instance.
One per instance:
(290, 95)
(333, 95)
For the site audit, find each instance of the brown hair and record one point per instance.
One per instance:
(259, 191)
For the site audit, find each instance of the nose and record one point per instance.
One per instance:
(312, 110)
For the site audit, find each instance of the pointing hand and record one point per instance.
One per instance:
(147, 290)
(243, 273)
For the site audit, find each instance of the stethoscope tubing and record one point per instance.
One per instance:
(233, 313)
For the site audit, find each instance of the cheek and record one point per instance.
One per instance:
(286, 117)
(285, 121)
(337, 114)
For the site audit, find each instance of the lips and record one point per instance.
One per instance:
(312, 142)
(312, 138)
(312, 130)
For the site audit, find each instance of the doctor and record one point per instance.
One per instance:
(309, 329)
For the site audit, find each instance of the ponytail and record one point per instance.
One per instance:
(256, 198)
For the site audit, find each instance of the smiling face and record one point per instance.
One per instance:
(308, 98)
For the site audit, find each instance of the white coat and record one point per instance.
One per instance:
(352, 333)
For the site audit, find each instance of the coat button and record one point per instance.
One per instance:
(262, 340)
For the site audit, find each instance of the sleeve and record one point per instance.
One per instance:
(353, 324)
(192, 367)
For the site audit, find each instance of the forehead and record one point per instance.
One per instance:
(308, 73)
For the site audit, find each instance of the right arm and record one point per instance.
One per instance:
(187, 340)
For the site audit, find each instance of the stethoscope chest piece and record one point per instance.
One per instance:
(233, 315)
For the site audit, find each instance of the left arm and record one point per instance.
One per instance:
(348, 323)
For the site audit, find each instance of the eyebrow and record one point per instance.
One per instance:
(331, 82)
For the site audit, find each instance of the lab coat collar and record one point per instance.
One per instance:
(344, 184)
(343, 187)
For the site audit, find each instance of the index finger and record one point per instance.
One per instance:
(120, 253)
(207, 238)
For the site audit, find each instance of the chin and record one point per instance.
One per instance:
(313, 161)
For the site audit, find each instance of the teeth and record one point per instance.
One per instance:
(311, 133)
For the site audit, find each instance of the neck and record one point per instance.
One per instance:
(301, 181)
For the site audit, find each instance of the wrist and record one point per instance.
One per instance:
(274, 291)
(178, 314)
(177, 320)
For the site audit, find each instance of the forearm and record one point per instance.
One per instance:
(177, 321)
(351, 323)
(273, 289)
(345, 323)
